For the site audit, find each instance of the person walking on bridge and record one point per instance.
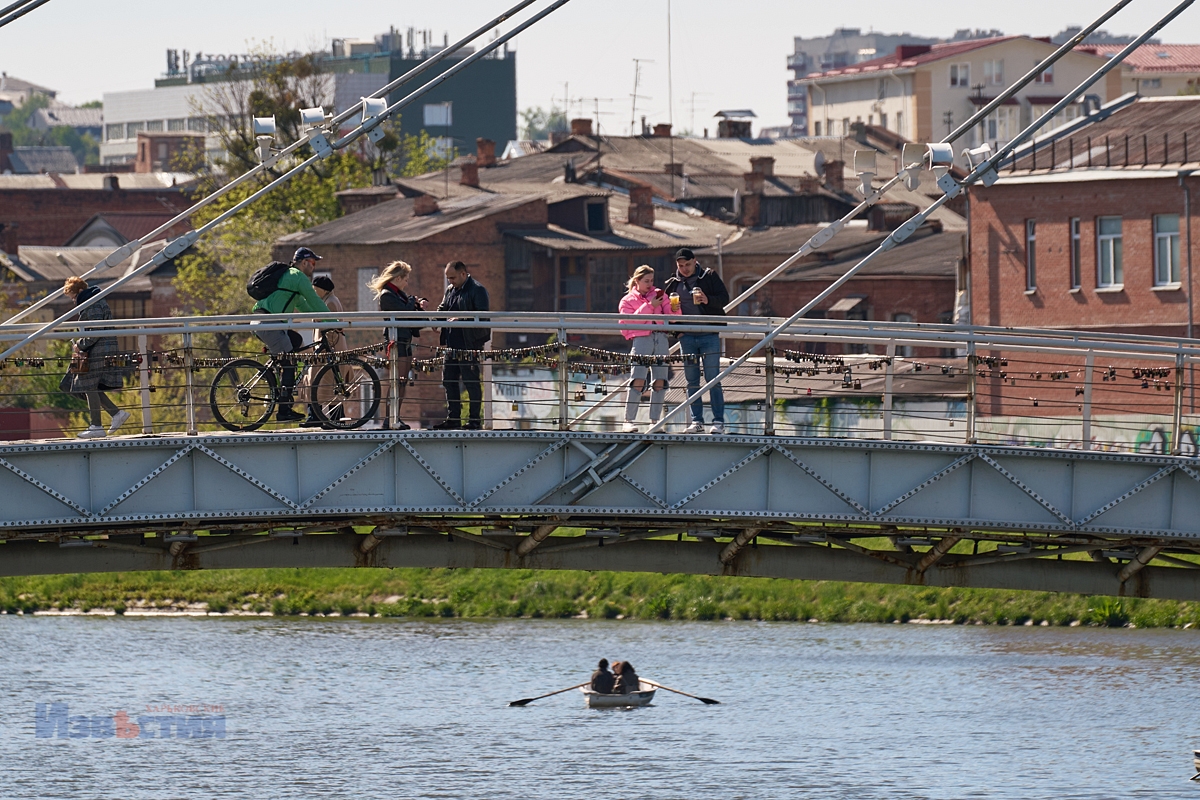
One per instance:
(701, 293)
(648, 340)
(390, 288)
(92, 364)
(284, 289)
(464, 294)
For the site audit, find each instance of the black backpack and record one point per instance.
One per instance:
(265, 282)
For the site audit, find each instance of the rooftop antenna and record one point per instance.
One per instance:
(670, 100)
(637, 75)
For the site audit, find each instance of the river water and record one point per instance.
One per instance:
(347, 708)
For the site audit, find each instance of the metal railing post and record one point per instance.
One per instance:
(971, 392)
(1088, 366)
(189, 378)
(1177, 412)
(889, 373)
(769, 405)
(394, 378)
(563, 409)
(489, 419)
(144, 383)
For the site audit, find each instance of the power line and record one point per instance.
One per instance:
(24, 6)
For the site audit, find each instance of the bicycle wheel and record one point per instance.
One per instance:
(345, 395)
(243, 395)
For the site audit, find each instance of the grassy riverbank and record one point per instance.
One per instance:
(528, 593)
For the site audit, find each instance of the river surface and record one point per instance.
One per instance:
(350, 708)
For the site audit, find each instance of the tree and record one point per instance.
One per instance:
(84, 146)
(539, 123)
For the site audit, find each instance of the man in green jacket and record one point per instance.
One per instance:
(294, 294)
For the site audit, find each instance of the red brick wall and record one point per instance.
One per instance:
(51, 216)
(998, 289)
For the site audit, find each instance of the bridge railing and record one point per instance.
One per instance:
(841, 378)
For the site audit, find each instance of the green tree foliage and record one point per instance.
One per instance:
(538, 123)
(84, 146)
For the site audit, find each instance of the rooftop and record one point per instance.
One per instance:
(1155, 58)
(37, 160)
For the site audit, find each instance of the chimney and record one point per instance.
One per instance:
(424, 205)
(558, 137)
(808, 184)
(835, 175)
(641, 206)
(662, 130)
(470, 172)
(754, 182)
(751, 210)
(673, 168)
(485, 153)
(111, 183)
(763, 165)
(581, 127)
(6, 149)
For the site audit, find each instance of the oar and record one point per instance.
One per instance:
(529, 700)
(706, 700)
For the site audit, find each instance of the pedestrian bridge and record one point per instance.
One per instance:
(892, 512)
(882, 452)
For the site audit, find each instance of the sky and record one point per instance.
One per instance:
(724, 54)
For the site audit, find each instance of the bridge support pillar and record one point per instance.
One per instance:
(935, 553)
(531, 541)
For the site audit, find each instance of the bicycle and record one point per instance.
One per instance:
(245, 391)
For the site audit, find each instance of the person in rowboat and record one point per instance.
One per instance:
(602, 679)
(627, 679)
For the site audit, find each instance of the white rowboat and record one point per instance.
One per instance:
(642, 697)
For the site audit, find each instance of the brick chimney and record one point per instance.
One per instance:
(763, 165)
(835, 175)
(485, 153)
(581, 127)
(662, 130)
(641, 206)
(470, 172)
(808, 184)
(424, 205)
(754, 182)
(6, 149)
(673, 168)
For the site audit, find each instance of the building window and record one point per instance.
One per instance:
(845, 126)
(1166, 249)
(817, 128)
(1076, 254)
(597, 218)
(572, 283)
(993, 72)
(1031, 255)
(154, 125)
(1000, 126)
(883, 121)
(114, 132)
(1151, 83)
(960, 75)
(899, 123)
(903, 350)
(177, 124)
(198, 124)
(127, 308)
(1046, 77)
(1109, 265)
(132, 128)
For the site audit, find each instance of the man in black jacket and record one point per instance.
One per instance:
(602, 679)
(464, 294)
(701, 293)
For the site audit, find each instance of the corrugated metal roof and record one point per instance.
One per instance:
(90, 180)
(35, 160)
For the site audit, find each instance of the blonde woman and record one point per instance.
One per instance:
(390, 288)
(101, 373)
(649, 338)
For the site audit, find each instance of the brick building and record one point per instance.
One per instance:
(1090, 231)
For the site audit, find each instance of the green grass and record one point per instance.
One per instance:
(559, 594)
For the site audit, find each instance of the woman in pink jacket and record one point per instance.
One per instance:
(647, 339)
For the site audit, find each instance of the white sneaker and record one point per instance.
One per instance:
(92, 432)
(631, 427)
(695, 427)
(119, 419)
(717, 428)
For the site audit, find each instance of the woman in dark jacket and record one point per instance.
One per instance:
(99, 354)
(627, 679)
(390, 291)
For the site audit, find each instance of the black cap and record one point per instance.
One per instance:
(684, 253)
(303, 254)
(323, 282)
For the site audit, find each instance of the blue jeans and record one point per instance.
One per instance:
(708, 347)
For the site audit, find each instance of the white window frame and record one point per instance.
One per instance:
(1166, 253)
(1110, 248)
(1030, 256)
(993, 72)
(1076, 253)
(960, 75)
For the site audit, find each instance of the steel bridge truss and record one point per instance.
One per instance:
(844, 509)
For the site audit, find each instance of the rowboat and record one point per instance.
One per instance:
(642, 697)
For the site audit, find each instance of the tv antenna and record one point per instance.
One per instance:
(637, 76)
